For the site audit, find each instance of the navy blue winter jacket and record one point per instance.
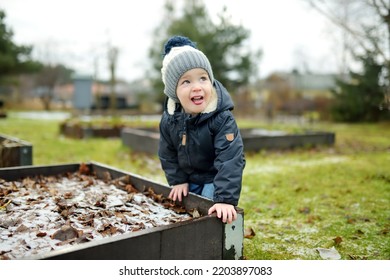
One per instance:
(207, 148)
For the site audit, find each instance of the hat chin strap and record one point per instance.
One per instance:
(211, 107)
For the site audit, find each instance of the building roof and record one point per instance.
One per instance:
(309, 81)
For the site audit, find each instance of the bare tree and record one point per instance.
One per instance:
(48, 78)
(112, 62)
(366, 29)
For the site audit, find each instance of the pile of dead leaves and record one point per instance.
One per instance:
(45, 213)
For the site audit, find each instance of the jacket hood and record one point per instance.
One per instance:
(225, 101)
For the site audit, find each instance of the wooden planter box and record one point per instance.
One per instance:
(14, 152)
(205, 237)
(256, 140)
(144, 140)
(83, 132)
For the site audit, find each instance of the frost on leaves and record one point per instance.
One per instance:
(44, 213)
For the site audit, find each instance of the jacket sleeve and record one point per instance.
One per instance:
(229, 159)
(168, 156)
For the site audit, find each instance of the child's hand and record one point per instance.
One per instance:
(226, 212)
(178, 192)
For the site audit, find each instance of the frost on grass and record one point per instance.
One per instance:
(42, 214)
(282, 237)
(286, 164)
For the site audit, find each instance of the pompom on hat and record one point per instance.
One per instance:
(181, 55)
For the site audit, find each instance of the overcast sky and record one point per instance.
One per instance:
(76, 32)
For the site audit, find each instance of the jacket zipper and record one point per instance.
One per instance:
(184, 141)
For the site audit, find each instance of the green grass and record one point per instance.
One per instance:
(295, 201)
(304, 199)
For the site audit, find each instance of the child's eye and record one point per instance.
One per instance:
(204, 78)
(185, 82)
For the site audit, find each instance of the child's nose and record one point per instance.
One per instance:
(196, 87)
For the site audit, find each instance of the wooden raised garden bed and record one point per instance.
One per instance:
(93, 211)
(144, 140)
(14, 152)
(82, 132)
(259, 139)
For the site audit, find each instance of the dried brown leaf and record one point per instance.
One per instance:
(351, 220)
(130, 189)
(136, 228)
(168, 204)
(304, 210)
(179, 209)
(88, 182)
(107, 176)
(100, 204)
(65, 242)
(337, 240)
(84, 169)
(65, 232)
(121, 216)
(4, 204)
(249, 233)
(68, 195)
(22, 228)
(106, 213)
(153, 223)
(86, 219)
(109, 230)
(121, 181)
(312, 218)
(194, 213)
(129, 197)
(41, 234)
(158, 197)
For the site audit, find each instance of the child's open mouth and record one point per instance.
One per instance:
(197, 99)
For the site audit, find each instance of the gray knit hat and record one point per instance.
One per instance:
(181, 56)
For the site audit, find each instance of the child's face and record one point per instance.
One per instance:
(194, 90)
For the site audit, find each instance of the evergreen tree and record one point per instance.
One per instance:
(14, 59)
(224, 44)
(360, 97)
